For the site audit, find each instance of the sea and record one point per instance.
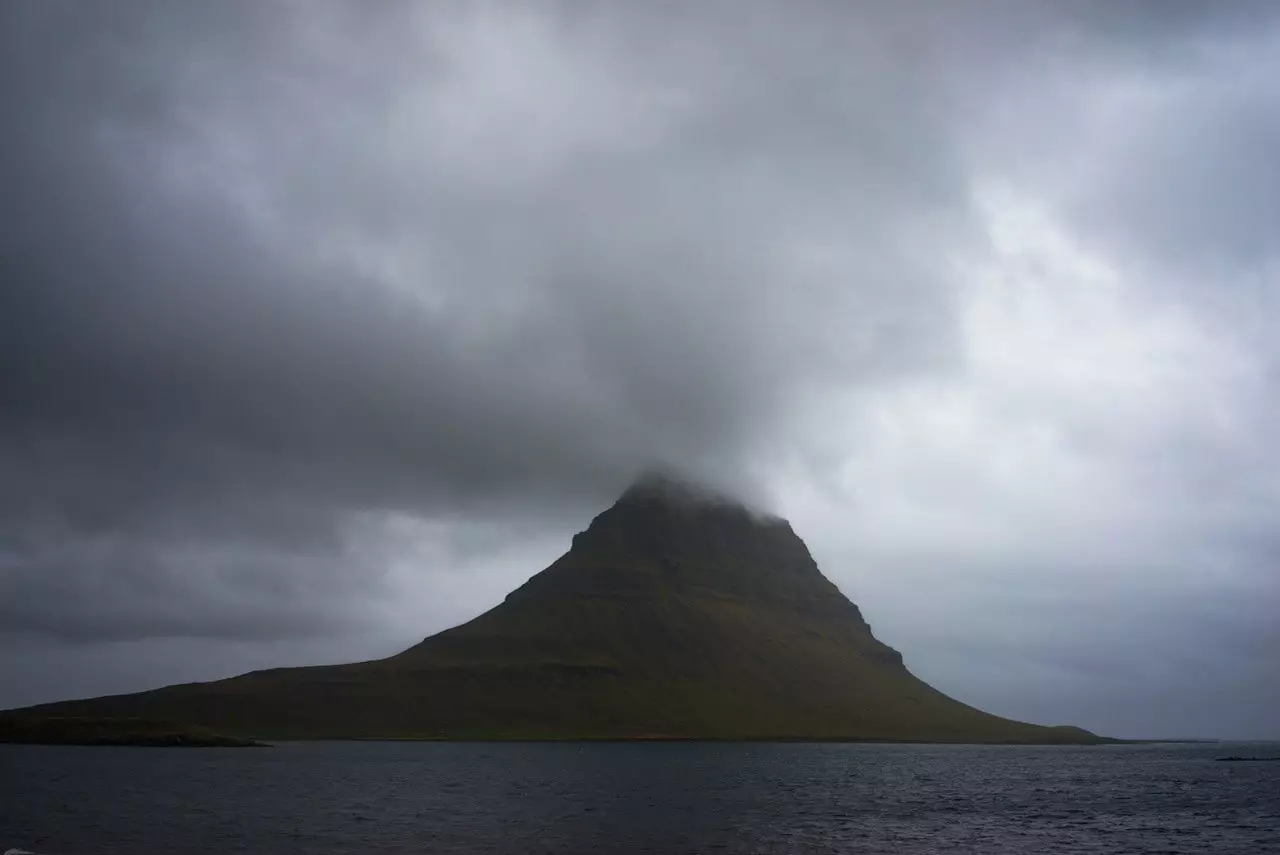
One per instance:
(441, 797)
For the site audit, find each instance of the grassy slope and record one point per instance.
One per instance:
(682, 667)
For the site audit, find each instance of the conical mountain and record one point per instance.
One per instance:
(677, 613)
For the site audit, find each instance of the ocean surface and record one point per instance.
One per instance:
(396, 797)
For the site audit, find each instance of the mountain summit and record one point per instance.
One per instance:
(677, 613)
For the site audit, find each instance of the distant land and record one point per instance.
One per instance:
(76, 730)
(678, 613)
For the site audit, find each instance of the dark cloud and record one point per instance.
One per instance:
(335, 322)
(240, 290)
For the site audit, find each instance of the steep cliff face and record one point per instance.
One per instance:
(661, 539)
(677, 613)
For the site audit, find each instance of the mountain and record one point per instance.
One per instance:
(678, 613)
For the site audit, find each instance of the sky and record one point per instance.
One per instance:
(323, 325)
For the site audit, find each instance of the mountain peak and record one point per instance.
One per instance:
(667, 537)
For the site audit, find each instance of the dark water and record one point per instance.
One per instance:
(669, 798)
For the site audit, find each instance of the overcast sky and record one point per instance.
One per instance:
(323, 325)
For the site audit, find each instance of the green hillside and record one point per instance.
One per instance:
(676, 614)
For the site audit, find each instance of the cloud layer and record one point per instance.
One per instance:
(324, 326)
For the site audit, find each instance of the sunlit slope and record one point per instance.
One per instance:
(675, 614)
